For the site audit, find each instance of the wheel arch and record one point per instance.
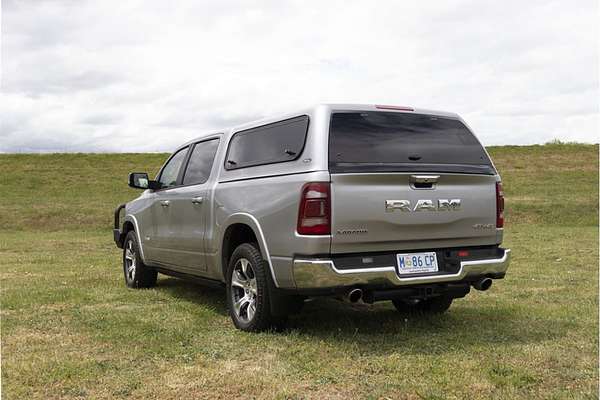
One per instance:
(127, 226)
(130, 224)
(238, 227)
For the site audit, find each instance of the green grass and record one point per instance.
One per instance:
(70, 328)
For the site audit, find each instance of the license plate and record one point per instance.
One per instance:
(416, 263)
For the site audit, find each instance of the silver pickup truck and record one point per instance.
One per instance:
(362, 202)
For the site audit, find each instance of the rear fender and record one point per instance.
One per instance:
(252, 222)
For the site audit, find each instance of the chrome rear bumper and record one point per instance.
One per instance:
(321, 273)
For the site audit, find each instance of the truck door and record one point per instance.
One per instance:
(162, 236)
(192, 206)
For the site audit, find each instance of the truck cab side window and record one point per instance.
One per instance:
(168, 176)
(201, 161)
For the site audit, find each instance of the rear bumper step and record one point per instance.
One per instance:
(322, 273)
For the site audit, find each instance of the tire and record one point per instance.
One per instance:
(137, 275)
(433, 305)
(248, 291)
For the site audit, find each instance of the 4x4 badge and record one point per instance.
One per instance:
(484, 226)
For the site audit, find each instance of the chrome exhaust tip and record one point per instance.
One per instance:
(483, 284)
(354, 295)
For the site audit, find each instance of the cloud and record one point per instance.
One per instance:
(147, 76)
(102, 119)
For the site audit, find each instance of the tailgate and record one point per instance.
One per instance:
(393, 211)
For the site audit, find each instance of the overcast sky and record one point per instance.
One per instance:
(148, 75)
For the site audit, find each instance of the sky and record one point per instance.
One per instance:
(142, 76)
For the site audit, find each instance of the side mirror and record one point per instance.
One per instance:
(139, 180)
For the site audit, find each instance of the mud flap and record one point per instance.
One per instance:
(282, 304)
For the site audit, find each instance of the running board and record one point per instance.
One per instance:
(197, 279)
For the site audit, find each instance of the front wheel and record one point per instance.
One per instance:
(433, 305)
(137, 274)
(248, 290)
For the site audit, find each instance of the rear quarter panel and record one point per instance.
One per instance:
(273, 202)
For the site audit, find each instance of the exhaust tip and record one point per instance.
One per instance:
(483, 284)
(355, 295)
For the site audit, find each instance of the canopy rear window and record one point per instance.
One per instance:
(373, 141)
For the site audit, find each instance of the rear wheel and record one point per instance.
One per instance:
(433, 305)
(248, 291)
(137, 274)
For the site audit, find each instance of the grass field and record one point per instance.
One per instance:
(70, 328)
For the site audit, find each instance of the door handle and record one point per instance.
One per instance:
(165, 203)
(197, 200)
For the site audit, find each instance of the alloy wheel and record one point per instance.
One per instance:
(243, 290)
(130, 261)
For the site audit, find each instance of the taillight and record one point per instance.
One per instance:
(499, 205)
(314, 215)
